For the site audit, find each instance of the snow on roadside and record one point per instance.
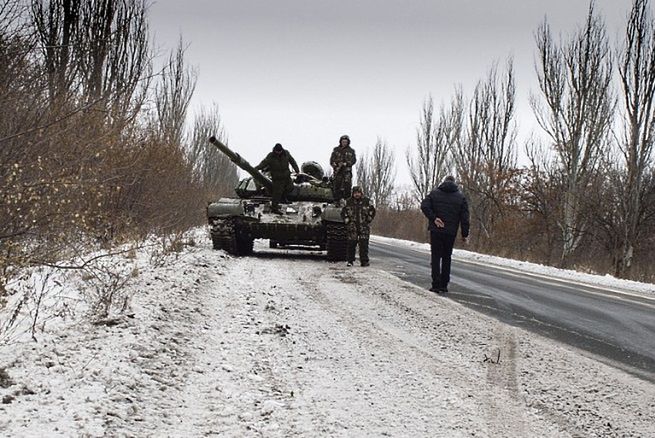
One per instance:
(294, 346)
(533, 268)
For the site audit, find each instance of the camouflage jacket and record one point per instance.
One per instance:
(342, 159)
(358, 215)
(278, 165)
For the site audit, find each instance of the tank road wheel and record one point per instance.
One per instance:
(216, 242)
(337, 242)
(228, 244)
(224, 236)
(244, 245)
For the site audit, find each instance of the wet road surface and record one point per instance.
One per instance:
(614, 326)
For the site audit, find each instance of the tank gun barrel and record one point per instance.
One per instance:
(242, 163)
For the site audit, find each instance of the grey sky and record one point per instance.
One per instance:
(303, 72)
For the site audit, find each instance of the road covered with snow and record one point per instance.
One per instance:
(211, 345)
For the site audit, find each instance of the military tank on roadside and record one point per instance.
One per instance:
(310, 220)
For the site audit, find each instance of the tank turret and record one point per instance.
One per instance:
(308, 185)
(314, 169)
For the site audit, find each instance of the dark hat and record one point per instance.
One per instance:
(344, 137)
(358, 189)
(449, 178)
(277, 147)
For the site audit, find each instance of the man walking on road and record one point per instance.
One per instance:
(446, 209)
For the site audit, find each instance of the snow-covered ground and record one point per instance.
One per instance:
(211, 345)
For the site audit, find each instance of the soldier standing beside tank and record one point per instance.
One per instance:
(342, 160)
(277, 164)
(358, 215)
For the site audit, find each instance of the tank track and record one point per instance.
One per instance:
(226, 235)
(337, 242)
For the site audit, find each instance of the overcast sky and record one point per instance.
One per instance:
(304, 72)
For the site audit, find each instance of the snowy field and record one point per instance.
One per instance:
(204, 344)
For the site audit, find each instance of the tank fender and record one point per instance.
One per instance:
(225, 207)
(332, 213)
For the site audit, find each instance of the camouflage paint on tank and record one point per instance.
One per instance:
(311, 217)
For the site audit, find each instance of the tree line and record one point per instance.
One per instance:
(96, 144)
(586, 197)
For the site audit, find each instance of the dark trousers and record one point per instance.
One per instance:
(441, 245)
(281, 187)
(363, 250)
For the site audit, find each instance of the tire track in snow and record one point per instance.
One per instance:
(363, 311)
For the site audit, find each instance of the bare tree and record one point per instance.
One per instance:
(541, 193)
(96, 51)
(403, 200)
(575, 83)
(18, 84)
(20, 81)
(363, 175)
(10, 12)
(637, 79)
(172, 96)
(211, 167)
(58, 24)
(431, 160)
(486, 156)
(376, 173)
(79, 165)
(422, 162)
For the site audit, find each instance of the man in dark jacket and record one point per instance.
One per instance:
(342, 160)
(277, 164)
(446, 208)
(358, 215)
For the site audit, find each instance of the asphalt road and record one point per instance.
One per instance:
(614, 326)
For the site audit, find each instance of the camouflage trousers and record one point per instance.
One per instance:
(355, 232)
(363, 250)
(342, 185)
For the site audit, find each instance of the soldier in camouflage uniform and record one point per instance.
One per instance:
(342, 160)
(358, 215)
(277, 164)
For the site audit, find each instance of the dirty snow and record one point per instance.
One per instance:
(211, 345)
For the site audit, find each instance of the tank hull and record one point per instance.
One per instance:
(236, 223)
(311, 218)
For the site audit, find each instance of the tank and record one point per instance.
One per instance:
(310, 219)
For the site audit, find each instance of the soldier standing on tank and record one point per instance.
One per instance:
(342, 160)
(358, 215)
(277, 164)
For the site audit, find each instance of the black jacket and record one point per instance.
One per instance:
(449, 204)
(278, 165)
